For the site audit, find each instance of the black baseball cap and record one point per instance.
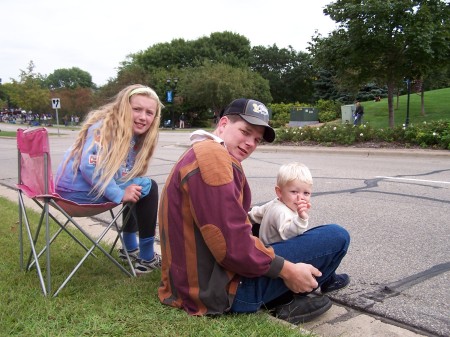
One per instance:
(253, 112)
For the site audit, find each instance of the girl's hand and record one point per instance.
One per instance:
(132, 193)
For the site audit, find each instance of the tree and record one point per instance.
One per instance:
(431, 21)
(226, 47)
(211, 71)
(384, 42)
(325, 88)
(70, 79)
(290, 74)
(76, 101)
(213, 86)
(28, 93)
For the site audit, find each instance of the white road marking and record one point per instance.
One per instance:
(418, 180)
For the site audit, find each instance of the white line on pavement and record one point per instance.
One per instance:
(419, 180)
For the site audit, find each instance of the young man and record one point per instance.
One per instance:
(212, 264)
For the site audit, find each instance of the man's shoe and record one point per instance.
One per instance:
(303, 308)
(335, 282)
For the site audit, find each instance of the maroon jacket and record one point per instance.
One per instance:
(206, 238)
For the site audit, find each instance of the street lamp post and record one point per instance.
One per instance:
(170, 96)
(408, 87)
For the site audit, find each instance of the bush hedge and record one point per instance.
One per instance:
(433, 135)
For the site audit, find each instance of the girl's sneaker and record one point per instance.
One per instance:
(142, 266)
(133, 254)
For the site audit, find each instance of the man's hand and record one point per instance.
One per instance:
(300, 277)
(132, 193)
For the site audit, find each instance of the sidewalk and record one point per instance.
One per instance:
(338, 321)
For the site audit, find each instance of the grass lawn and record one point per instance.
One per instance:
(436, 102)
(100, 300)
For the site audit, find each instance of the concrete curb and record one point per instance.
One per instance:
(355, 150)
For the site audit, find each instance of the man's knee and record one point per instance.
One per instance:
(341, 235)
(334, 235)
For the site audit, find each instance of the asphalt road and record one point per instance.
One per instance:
(394, 203)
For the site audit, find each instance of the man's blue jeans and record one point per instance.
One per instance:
(323, 247)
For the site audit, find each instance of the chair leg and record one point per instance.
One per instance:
(119, 235)
(32, 246)
(20, 231)
(47, 245)
(61, 228)
(30, 261)
(95, 245)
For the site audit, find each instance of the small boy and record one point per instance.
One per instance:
(287, 215)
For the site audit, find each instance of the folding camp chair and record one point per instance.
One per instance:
(36, 182)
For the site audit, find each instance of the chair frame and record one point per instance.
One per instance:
(44, 201)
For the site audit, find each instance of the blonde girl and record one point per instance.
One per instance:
(108, 162)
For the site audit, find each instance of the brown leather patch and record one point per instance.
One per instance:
(215, 241)
(215, 163)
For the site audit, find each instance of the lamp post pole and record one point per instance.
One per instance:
(408, 87)
(170, 96)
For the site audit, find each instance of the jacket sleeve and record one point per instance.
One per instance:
(87, 166)
(256, 214)
(290, 226)
(218, 198)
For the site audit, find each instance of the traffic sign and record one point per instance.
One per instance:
(56, 103)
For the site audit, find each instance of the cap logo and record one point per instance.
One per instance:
(260, 109)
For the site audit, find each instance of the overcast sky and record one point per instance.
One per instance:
(96, 35)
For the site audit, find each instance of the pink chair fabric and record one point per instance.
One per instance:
(33, 145)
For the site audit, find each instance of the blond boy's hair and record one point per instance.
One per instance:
(293, 171)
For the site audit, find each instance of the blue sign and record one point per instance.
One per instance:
(169, 96)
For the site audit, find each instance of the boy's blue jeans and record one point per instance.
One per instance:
(323, 247)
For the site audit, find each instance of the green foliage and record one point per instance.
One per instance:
(384, 42)
(289, 72)
(226, 47)
(216, 85)
(280, 114)
(28, 93)
(327, 116)
(328, 110)
(435, 134)
(70, 79)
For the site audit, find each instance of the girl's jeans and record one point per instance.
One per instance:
(323, 247)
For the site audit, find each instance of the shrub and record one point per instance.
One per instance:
(434, 134)
(327, 116)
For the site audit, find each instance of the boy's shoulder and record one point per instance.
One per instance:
(214, 162)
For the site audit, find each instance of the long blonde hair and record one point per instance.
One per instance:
(114, 137)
